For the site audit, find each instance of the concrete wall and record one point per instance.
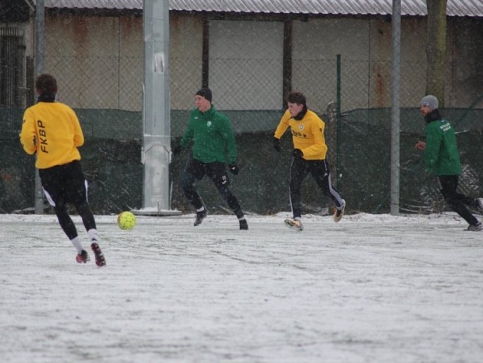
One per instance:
(246, 64)
(365, 46)
(186, 46)
(465, 47)
(98, 61)
(83, 52)
(316, 44)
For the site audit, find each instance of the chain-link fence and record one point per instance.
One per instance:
(98, 62)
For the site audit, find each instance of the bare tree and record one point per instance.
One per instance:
(436, 49)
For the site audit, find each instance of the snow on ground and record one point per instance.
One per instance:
(372, 288)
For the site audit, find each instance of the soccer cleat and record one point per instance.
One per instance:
(100, 260)
(199, 217)
(339, 213)
(243, 224)
(295, 223)
(82, 257)
(475, 227)
(479, 204)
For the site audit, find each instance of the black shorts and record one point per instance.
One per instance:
(215, 171)
(64, 183)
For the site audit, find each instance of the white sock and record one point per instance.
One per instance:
(77, 244)
(92, 233)
(201, 209)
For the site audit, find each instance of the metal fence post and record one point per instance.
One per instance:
(39, 66)
(395, 109)
(339, 126)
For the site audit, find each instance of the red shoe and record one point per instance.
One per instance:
(100, 260)
(82, 257)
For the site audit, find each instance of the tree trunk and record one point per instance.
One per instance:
(436, 49)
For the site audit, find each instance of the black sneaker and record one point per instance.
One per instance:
(199, 217)
(100, 260)
(82, 257)
(243, 224)
(475, 227)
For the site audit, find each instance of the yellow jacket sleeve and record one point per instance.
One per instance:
(28, 134)
(283, 125)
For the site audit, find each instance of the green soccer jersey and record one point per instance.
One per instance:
(212, 137)
(441, 155)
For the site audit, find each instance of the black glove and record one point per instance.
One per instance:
(177, 149)
(234, 169)
(297, 153)
(276, 144)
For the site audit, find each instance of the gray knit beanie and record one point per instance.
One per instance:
(430, 101)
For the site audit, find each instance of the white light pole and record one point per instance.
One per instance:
(156, 151)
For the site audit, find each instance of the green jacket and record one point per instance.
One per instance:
(212, 136)
(441, 155)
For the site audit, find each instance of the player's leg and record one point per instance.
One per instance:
(298, 172)
(77, 194)
(217, 173)
(449, 184)
(320, 171)
(479, 204)
(76, 190)
(52, 180)
(194, 170)
(475, 203)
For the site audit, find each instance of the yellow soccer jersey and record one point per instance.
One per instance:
(51, 129)
(307, 134)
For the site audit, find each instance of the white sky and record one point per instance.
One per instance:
(372, 288)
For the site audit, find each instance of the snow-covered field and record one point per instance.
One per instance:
(372, 288)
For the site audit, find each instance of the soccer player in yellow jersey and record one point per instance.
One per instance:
(52, 131)
(309, 156)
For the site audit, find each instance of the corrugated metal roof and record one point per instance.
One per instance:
(94, 4)
(344, 7)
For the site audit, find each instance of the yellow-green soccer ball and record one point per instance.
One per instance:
(126, 220)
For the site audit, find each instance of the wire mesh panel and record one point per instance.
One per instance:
(246, 60)
(12, 67)
(97, 58)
